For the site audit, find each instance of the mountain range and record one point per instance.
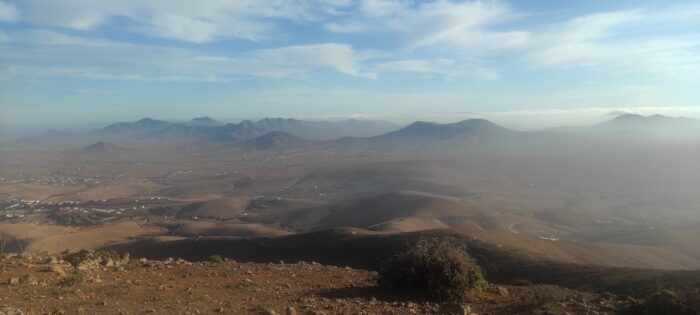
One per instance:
(205, 127)
(639, 125)
(283, 133)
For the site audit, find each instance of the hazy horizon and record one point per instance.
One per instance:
(517, 120)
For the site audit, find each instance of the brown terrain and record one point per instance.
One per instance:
(50, 285)
(586, 213)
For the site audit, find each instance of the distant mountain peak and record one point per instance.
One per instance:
(273, 122)
(437, 131)
(636, 118)
(479, 123)
(148, 120)
(140, 126)
(275, 140)
(205, 121)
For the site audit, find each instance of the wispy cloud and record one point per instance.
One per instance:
(54, 54)
(623, 42)
(439, 67)
(463, 25)
(192, 21)
(9, 12)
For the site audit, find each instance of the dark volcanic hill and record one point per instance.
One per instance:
(327, 130)
(276, 140)
(204, 122)
(434, 131)
(143, 126)
(643, 126)
(208, 128)
(634, 121)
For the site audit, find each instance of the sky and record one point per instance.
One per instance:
(550, 62)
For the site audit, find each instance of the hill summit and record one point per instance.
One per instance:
(276, 140)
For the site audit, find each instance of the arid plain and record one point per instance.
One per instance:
(622, 195)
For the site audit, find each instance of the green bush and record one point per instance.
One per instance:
(216, 259)
(433, 269)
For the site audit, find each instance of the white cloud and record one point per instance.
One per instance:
(623, 42)
(4, 37)
(339, 57)
(461, 25)
(440, 38)
(189, 29)
(193, 21)
(9, 12)
(54, 54)
(383, 7)
(439, 67)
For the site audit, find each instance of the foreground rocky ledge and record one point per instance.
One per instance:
(90, 283)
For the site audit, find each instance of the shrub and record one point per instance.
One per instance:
(216, 259)
(433, 269)
(99, 257)
(72, 280)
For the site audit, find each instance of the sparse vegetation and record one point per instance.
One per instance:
(668, 302)
(534, 297)
(2, 244)
(101, 257)
(433, 269)
(72, 280)
(216, 259)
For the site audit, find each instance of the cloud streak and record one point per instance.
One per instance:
(48, 53)
(9, 12)
(190, 21)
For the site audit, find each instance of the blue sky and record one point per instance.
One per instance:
(100, 60)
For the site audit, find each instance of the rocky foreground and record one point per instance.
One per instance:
(107, 283)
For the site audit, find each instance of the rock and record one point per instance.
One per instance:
(86, 260)
(608, 295)
(9, 255)
(503, 291)
(290, 311)
(497, 289)
(13, 281)
(28, 280)
(268, 311)
(10, 311)
(455, 309)
(58, 270)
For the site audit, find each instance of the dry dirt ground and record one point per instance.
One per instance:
(34, 284)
